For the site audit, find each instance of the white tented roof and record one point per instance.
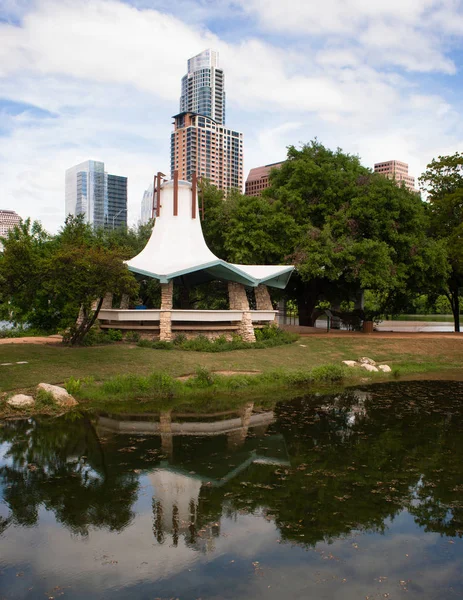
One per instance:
(177, 248)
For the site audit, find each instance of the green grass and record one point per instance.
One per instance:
(55, 363)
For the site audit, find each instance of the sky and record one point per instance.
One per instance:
(100, 80)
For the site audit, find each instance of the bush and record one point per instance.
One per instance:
(328, 373)
(44, 399)
(179, 339)
(144, 343)
(132, 336)
(162, 345)
(203, 378)
(72, 385)
(114, 335)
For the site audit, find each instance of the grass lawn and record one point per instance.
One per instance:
(54, 364)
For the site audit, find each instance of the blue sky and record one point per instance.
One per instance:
(100, 79)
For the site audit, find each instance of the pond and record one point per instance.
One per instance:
(353, 495)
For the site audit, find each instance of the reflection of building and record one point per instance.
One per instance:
(398, 171)
(258, 179)
(192, 471)
(200, 142)
(102, 198)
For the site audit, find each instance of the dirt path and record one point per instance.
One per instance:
(52, 339)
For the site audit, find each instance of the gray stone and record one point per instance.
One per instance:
(366, 361)
(351, 363)
(385, 368)
(368, 367)
(60, 395)
(20, 401)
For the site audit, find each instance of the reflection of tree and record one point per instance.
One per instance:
(58, 463)
(356, 459)
(355, 464)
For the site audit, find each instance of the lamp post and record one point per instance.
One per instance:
(116, 215)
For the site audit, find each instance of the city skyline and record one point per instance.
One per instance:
(365, 80)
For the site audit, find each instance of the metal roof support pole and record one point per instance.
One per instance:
(175, 193)
(194, 181)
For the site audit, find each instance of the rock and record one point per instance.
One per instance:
(368, 367)
(385, 368)
(366, 361)
(60, 395)
(20, 401)
(351, 363)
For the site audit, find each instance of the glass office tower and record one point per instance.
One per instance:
(102, 198)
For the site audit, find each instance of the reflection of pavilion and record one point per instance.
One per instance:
(177, 252)
(179, 482)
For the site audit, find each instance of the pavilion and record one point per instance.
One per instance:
(177, 253)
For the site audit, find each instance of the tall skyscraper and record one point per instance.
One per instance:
(200, 142)
(203, 89)
(397, 170)
(102, 198)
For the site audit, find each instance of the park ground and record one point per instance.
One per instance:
(410, 355)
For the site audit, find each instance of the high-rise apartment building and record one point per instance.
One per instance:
(8, 219)
(203, 89)
(258, 179)
(397, 170)
(201, 143)
(102, 198)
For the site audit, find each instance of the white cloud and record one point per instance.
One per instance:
(110, 75)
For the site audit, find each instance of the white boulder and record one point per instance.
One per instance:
(60, 395)
(20, 401)
(351, 363)
(385, 368)
(368, 367)
(366, 361)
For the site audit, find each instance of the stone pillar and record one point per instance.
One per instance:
(236, 438)
(263, 301)
(165, 320)
(125, 301)
(165, 427)
(107, 301)
(262, 295)
(239, 301)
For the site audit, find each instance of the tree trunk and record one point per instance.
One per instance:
(456, 309)
(86, 325)
(454, 300)
(306, 309)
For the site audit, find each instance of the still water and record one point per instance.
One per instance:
(356, 495)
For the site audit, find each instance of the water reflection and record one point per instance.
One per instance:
(316, 470)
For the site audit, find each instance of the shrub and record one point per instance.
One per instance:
(114, 335)
(72, 385)
(162, 345)
(328, 373)
(132, 336)
(144, 343)
(203, 377)
(44, 399)
(179, 339)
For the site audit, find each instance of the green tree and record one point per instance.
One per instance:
(443, 182)
(345, 229)
(47, 281)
